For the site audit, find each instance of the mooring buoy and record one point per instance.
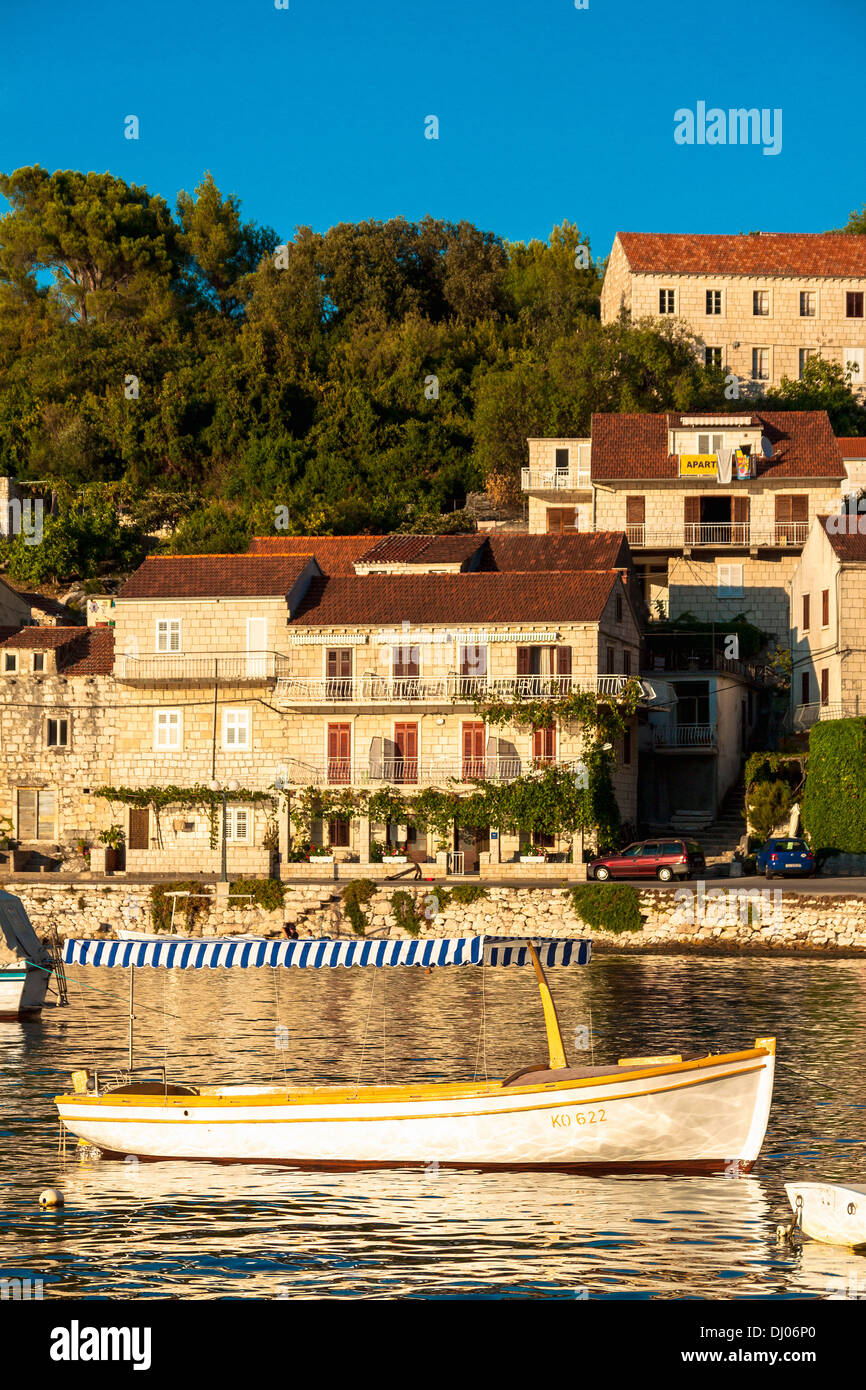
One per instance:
(51, 1198)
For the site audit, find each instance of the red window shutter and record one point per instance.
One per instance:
(806, 618)
(800, 507)
(544, 744)
(523, 661)
(741, 511)
(825, 686)
(563, 661)
(692, 510)
(635, 511)
(825, 607)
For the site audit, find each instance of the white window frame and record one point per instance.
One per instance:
(167, 722)
(673, 296)
(814, 294)
(803, 356)
(769, 299)
(714, 443)
(712, 313)
(725, 574)
(38, 670)
(238, 817)
(721, 354)
(38, 792)
(236, 721)
(757, 375)
(10, 663)
(854, 355)
(58, 719)
(166, 628)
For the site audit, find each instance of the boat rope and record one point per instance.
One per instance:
(280, 1033)
(366, 1027)
(792, 1231)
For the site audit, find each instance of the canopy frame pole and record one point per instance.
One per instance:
(555, 1045)
(131, 1014)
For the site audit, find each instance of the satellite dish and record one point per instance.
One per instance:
(766, 447)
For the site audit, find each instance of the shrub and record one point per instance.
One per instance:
(834, 805)
(768, 804)
(188, 910)
(466, 893)
(264, 892)
(355, 894)
(408, 914)
(607, 906)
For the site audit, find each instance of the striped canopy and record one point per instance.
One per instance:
(316, 953)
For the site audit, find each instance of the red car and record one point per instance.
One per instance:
(663, 859)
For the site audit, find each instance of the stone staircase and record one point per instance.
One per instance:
(720, 839)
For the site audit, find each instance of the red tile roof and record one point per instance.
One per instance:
(215, 576)
(334, 554)
(852, 446)
(636, 446)
(445, 599)
(813, 254)
(81, 651)
(599, 550)
(850, 546)
(408, 549)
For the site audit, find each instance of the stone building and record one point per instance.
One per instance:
(758, 306)
(828, 612)
(334, 663)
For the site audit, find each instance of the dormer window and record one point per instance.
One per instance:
(10, 661)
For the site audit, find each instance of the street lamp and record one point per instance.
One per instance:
(229, 787)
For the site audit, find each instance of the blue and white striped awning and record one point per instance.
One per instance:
(315, 953)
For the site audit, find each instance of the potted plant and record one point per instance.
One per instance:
(533, 854)
(112, 843)
(320, 854)
(6, 841)
(82, 848)
(399, 854)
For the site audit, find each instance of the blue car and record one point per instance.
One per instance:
(785, 856)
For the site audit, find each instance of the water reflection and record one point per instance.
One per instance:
(200, 1231)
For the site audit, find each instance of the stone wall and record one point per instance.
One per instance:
(684, 920)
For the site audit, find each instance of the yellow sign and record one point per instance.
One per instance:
(697, 465)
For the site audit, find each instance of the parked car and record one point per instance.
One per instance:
(663, 858)
(785, 855)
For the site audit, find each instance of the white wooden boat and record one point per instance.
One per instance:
(655, 1113)
(831, 1212)
(26, 965)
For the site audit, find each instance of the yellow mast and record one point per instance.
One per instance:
(555, 1045)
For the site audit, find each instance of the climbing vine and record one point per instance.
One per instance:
(605, 715)
(199, 797)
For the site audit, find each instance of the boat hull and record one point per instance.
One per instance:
(22, 991)
(707, 1115)
(834, 1213)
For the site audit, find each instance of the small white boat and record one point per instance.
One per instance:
(834, 1213)
(27, 965)
(657, 1113)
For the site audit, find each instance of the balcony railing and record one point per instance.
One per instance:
(685, 736)
(197, 667)
(554, 479)
(804, 716)
(343, 772)
(739, 534)
(373, 689)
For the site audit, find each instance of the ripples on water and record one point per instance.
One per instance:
(205, 1231)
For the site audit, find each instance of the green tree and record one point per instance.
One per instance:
(823, 386)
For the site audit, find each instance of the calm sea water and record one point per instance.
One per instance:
(198, 1231)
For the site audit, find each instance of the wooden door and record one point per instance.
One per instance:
(406, 752)
(635, 520)
(691, 520)
(544, 745)
(339, 753)
(792, 518)
(338, 673)
(474, 755)
(138, 836)
(741, 514)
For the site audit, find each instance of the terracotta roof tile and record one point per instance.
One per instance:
(97, 655)
(411, 549)
(852, 446)
(26, 638)
(573, 551)
(81, 651)
(814, 254)
(334, 554)
(849, 546)
(215, 576)
(636, 446)
(446, 599)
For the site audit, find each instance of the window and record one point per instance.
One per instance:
(713, 357)
(626, 661)
(57, 733)
(167, 726)
(236, 728)
(238, 823)
(338, 673)
(808, 304)
(803, 357)
(168, 635)
(405, 753)
(729, 581)
(761, 304)
(407, 669)
(339, 753)
(635, 520)
(806, 614)
(610, 661)
(473, 742)
(618, 608)
(562, 460)
(805, 688)
(852, 365)
(825, 607)
(562, 519)
(338, 834)
(38, 662)
(761, 364)
(539, 668)
(626, 747)
(37, 814)
(825, 686)
(544, 745)
(10, 661)
(714, 301)
(792, 518)
(709, 443)
(666, 301)
(854, 304)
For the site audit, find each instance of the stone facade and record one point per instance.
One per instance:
(828, 604)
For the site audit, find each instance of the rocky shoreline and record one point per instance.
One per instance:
(742, 921)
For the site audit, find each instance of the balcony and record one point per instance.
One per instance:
(804, 716)
(414, 772)
(372, 689)
(685, 737)
(718, 535)
(196, 667)
(555, 479)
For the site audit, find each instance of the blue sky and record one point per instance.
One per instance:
(315, 114)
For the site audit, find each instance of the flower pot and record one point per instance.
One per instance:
(395, 859)
(532, 859)
(321, 859)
